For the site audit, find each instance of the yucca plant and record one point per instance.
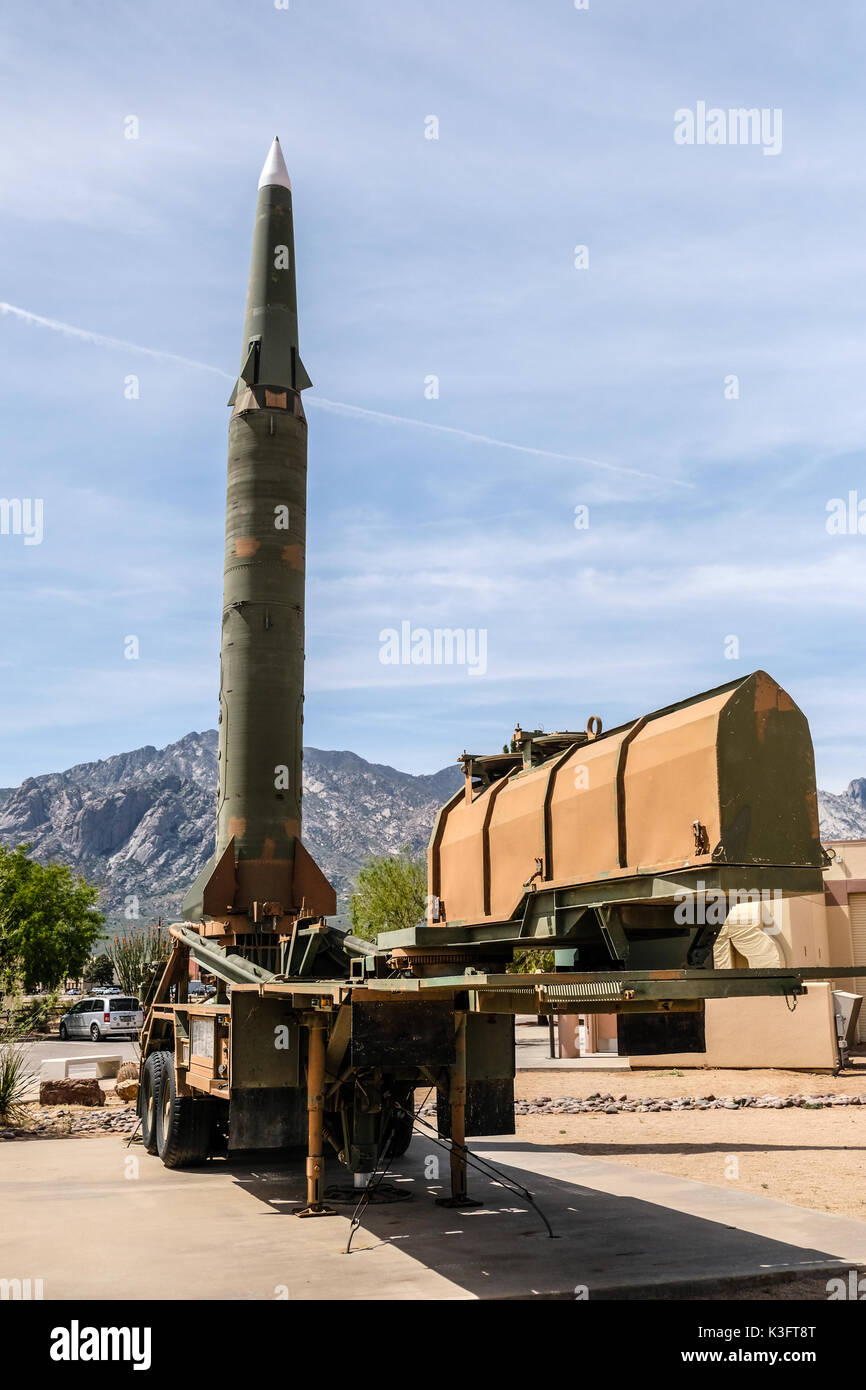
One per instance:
(16, 1076)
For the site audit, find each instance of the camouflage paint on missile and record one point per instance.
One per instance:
(261, 872)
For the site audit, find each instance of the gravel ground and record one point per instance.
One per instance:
(73, 1121)
(693, 1082)
(811, 1157)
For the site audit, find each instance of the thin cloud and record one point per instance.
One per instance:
(334, 407)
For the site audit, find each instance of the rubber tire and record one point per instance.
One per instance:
(95, 1035)
(402, 1137)
(64, 1033)
(151, 1091)
(403, 1124)
(184, 1124)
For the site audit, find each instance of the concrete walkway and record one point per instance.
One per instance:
(227, 1230)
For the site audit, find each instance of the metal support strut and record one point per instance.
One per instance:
(315, 1120)
(457, 1099)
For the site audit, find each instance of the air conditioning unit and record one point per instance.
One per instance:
(847, 1010)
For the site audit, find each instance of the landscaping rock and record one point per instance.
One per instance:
(79, 1090)
(127, 1081)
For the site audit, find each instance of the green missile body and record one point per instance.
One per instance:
(261, 875)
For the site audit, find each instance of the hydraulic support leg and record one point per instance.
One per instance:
(315, 1120)
(457, 1099)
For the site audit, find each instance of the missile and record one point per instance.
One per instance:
(261, 876)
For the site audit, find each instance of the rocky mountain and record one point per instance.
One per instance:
(844, 817)
(141, 824)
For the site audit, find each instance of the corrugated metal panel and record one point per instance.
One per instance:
(857, 908)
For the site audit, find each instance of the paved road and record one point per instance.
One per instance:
(226, 1230)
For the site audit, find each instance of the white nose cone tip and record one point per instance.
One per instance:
(275, 170)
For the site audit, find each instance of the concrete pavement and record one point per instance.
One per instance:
(95, 1219)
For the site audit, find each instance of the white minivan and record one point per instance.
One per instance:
(103, 1016)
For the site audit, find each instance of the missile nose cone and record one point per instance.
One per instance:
(275, 170)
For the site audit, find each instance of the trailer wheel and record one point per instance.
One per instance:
(150, 1098)
(403, 1124)
(402, 1136)
(184, 1124)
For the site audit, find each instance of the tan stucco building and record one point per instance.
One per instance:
(812, 930)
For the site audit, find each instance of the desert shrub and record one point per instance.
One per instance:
(16, 1075)
(35, 1015)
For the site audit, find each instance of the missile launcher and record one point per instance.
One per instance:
(585, 843)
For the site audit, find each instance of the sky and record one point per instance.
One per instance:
(620, 472)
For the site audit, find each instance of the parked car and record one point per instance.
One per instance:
(103, 1016)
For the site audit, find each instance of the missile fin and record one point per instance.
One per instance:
(310, 887)
(249, 371)
(302, 381)
(213, 891)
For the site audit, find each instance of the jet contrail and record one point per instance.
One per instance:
(335, 407)
(101, 340)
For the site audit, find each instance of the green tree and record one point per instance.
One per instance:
(100, 971)
(48, 921)
(528, 962)
(134, 953)
(390, 894)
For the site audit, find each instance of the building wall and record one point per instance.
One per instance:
(846, 889)
(763, 1033)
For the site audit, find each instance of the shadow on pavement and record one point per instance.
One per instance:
(604, 1245)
